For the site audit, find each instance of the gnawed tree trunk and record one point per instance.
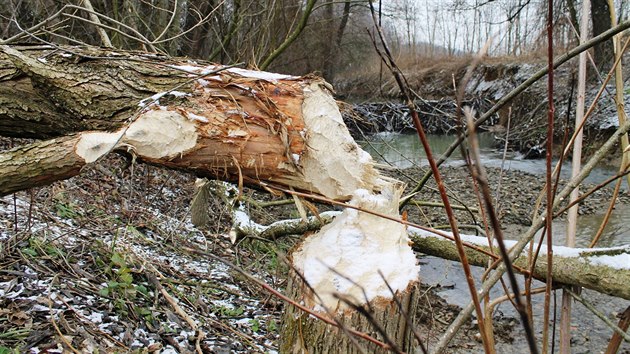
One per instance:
(358, 260)
(224, 123)
(235, 125)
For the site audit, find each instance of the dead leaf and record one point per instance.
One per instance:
(18, 318)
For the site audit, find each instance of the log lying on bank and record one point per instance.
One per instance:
(229, 124)
(223, 123)
(605, 270)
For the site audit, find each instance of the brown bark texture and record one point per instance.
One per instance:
(303, 333)
(600, 15)
(233, 124)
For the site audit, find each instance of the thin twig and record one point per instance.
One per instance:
(601, 185)
(465, 313)
(548, 177)
(600, 315)
(368, 316)
(101, 32)
(615, 341)
(480, 174)
(199, 335)
(405, 314)
(281, 296)
(606, 218)
(404, 88)
(170, 21)
(381, 215)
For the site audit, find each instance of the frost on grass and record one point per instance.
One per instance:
(101, 312)
(346, 256)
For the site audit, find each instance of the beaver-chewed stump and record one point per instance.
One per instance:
(360, 272)
(302, 333)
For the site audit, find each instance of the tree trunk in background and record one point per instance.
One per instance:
(600, 15)
(573, 16)
(334, 43)
(328, 41)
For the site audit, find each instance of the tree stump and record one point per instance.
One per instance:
(303, 333)
(361, 271)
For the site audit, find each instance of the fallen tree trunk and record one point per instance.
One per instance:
(605, 270)
(217, 122)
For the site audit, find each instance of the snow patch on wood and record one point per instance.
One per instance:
(333, 163)
(345, 256)
(254, 74)
(613, 257)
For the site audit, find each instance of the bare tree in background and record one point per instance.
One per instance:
(600, 15)
(229, 31)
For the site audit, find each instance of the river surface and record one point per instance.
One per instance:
(405, 150)
(589, 334)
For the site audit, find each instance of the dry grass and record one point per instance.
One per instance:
(430, 76)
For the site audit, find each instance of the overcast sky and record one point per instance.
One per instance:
(466, 25)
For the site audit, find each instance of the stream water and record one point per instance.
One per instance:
(589, 334)
(405, 150)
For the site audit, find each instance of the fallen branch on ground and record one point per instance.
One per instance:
(594, 269)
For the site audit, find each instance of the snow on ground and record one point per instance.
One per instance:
(83, 265)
